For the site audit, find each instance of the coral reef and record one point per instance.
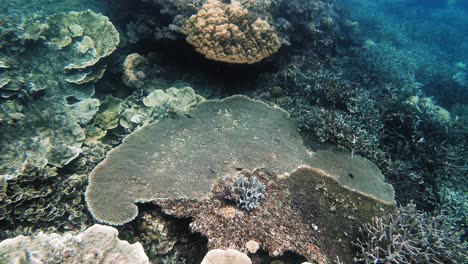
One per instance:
(228, 33)
(144, 71)
(98, 244)
(314, 211)
(454, 208)
(382, 115)
(385, 80)
(222, 135)
(70, 47)
(46, 121)
(42, 197)
(327, 104)
(132, 76)
(154, 232)
(60, 106)
(55, 140)
(410, 236)
(211, 122)
(90, 36)
(138, 110)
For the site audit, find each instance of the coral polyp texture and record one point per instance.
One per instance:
(230, 33)
(98, 244)
(187, 166)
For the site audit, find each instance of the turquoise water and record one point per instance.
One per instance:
(373, 94)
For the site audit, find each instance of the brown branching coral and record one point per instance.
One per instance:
(410, 236)
(229, 33)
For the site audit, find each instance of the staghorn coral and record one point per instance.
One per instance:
(98, 244)
(229, 33)
(454, 207)
(410, 236)
(327, 104)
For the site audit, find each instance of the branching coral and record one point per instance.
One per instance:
(409, 236)
(250, 191)
(229, 33)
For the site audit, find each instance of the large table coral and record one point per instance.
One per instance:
(187, 165)
(183, 157)
(229, 33)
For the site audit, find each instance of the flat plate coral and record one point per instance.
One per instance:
(183, 157)
(185, 165)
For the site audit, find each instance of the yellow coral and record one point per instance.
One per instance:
(229, 33)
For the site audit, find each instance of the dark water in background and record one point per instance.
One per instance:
(421, 43)
(432, 34)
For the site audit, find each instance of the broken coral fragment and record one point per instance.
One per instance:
(98, 244)
(229, 33)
